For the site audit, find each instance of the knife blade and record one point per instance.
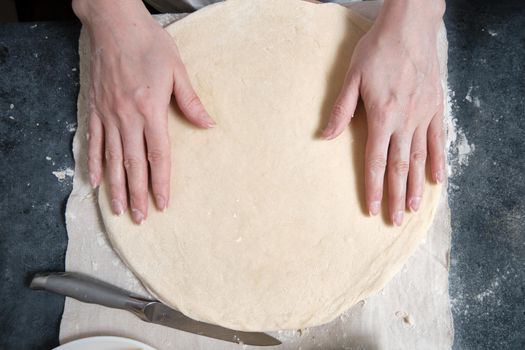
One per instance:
(93, 291)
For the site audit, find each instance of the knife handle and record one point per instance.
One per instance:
(88, 290)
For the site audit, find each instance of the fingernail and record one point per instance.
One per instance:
(117, 207)
(374, 208)
(94, 180)
(161, 202)
(328, 131)
(137, 216)
(439, 176)
(326, 134)
(398, 218)
(210, 123)
(414, 203)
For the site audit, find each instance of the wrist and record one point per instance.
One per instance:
(94, 12)
(413, 20)
(427, 10)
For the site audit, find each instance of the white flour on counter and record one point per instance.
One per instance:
(458, 147)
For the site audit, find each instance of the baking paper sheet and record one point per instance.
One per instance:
(411, 312)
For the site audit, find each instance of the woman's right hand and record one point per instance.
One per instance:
(135, 68)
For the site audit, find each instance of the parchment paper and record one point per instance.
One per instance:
(411, 312)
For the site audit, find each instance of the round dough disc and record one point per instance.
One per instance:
(267, 228)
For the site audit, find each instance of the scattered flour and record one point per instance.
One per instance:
(490, 292)
(62, 174)
(468, 97)
(489, 297)
(458, 147)
(101, 240)
(71, 127)
(474, 100)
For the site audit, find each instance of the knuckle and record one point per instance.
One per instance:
(133, 162)
(400, 167)
(92, 118)
(112, 155)
(144, 105)
(121, 111)
(376, 164)
(157, 155)
(339, 111)
(383, 115)
(120, 106)
(413, 105)
(437, 134)
(391, 104)
(191, 102)
(382, 119)
(418, 157)
(93, 165)
(93, 158)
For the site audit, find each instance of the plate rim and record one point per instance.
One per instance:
(87, 340)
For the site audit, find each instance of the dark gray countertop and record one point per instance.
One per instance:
(38, 91)
(487, 200)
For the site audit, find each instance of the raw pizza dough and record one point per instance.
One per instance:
(266, 229)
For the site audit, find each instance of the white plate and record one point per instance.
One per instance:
(104, 343)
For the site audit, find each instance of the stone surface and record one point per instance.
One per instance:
(38, 91)
(487, 197)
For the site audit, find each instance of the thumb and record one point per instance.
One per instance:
(187, 99)
(344, 107)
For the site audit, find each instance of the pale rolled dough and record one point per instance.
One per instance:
(266, 229)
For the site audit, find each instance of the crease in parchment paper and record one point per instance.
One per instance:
(411, 312)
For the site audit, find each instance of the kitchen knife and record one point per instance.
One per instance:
(90, 290)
